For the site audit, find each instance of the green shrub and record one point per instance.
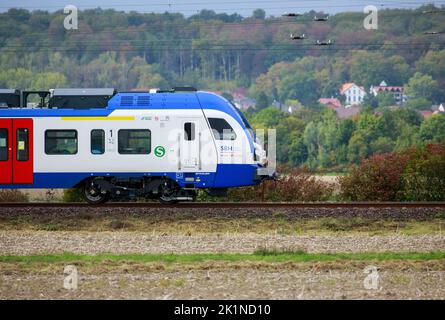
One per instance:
(72, 195)
(424, 176)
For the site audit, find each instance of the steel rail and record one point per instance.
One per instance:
(225, 205)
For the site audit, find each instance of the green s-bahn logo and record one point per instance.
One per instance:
(159, 151)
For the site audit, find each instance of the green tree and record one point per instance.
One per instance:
(433, 63)
(419, 104)
(370, 68)
(382, 145)
(326, 140)
(149, 78)
(47, 80)
(262, 101)
(358, 148)
(300, 86)
(289, 138)
(433, 129)
(259, 14)
(312, 141)
(409, 116)
(16, 78)
(370, 102)
(268, 118)
(385, 99)
(421, 86)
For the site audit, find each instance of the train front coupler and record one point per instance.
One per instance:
(265, 173)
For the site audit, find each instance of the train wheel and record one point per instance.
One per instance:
(92, 193)
(168, 190)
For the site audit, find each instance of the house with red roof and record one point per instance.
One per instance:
(341, 111)
(426, 113)
(354, 94)
(435, 109)
(241, 100)
(331, 103)
(397, 91)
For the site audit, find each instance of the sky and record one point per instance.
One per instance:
(190, 7)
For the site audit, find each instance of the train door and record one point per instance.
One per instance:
(190, 146)
(5, 151)
(16, 151)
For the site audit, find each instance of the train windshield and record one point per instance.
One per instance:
(244, 119)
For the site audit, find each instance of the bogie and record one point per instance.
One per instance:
(99, 190)
(93, 193)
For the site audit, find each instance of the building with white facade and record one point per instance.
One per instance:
(354, 94)
(397, 91)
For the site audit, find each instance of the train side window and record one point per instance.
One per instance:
(222, 129)
(60, 142)
(134, 141)
(97, 141)
(22, 145)
(189, 131)
(3, 144)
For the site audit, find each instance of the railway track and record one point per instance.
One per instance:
(230, 205)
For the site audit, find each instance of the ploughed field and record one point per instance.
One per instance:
(175, 253)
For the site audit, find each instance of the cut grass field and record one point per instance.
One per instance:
(187, 224)
(261, 255)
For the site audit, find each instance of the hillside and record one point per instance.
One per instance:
(254, 57)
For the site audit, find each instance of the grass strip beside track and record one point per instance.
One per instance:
(260, 255)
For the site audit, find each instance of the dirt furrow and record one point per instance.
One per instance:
(232, 284)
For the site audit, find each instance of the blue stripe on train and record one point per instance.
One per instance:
(235, 175)
(227, 175)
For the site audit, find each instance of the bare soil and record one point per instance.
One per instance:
(44, 242)
(417, 280)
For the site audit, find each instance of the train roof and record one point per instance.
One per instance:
(84, 92)
(137, 100)
(9, 91)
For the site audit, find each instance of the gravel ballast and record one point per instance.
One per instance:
(167, 212)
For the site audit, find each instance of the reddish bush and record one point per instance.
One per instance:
(292, 185)
(413, 175)
(378, 178)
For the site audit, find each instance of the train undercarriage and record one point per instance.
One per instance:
(102, 189)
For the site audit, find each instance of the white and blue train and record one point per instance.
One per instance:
(160, 144)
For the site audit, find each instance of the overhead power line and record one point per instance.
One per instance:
(239, 47)
(177, 42)
(171, 4)
(189, 25)
(177, 7)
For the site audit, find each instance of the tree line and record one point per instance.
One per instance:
(224, 52)
(323, 142)
(220, 51)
